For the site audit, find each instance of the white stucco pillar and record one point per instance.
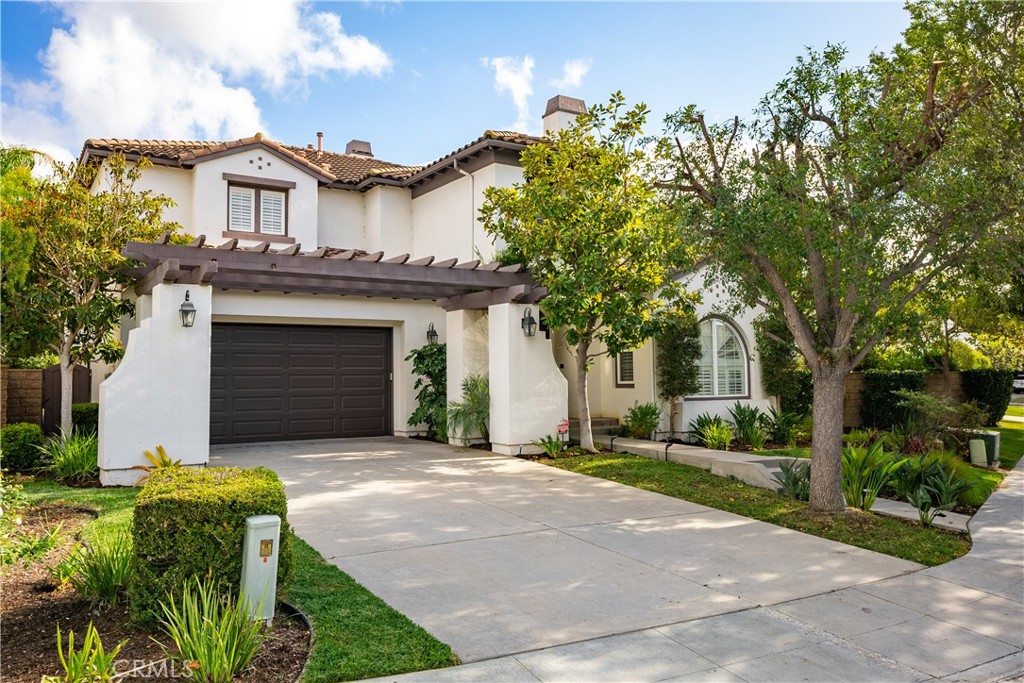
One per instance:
(529, 394)
(160, 392)
(467, 352)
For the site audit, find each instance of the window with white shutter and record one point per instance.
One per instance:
(722, 371)
(271, 212)
(241, 209)
(256, 209)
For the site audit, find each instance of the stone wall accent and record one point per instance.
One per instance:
(3, 395)
(934, 385)
(24, 396)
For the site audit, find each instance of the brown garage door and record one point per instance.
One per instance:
(276, 382)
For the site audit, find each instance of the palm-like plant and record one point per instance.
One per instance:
(470, 415)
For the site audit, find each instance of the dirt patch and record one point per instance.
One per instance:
(32, 608)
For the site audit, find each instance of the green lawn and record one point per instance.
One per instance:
(1016, 411)
(895, 537)
(798, 452)
(1011, 446)
(355, 633)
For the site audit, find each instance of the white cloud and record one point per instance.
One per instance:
(515, 76)
(177, 70)
(573, 72)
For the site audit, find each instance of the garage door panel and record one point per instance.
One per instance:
(327, 402)
(319, 361)
(374, 382)
(311, 382)
(299, 382)
(248, 382)
(257, 404)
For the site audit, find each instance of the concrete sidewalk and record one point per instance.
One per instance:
(532, 573)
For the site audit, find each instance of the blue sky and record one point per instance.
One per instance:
(416, 79)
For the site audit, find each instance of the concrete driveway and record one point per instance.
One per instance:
(499, 556)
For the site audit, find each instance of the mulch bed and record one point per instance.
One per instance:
(31, 609)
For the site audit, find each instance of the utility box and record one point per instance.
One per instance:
(258, 588)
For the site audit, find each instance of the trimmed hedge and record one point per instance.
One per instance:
(191, 523)
(880, 408)
(991, 388)
(85, 417)
(20, 445)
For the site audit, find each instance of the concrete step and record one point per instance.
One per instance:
(600, 426)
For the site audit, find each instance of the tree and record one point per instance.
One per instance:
(678, 353)
(588, 222)
(854, 189)
(70, 300)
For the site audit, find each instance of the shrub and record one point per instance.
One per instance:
(642, 420)
(880, 406)
(549, 445)
(677, 354)
(782, 371)
(430, 365)
(91, 664)
(795, 479)
(191, 523)
(699, 424)
(160, 459)
(100, 570)
(861, 438)
(749, 422)
(865, 472)
(19, 444)
(717, 435)
(991, 388)
(782, 426)
(941, 493)
(214, 632)
(470, 415)
(73, 457)
(85, 417)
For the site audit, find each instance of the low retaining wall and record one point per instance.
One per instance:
(23, 396)
(934, 385)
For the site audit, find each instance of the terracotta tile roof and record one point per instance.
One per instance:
(332, 166)
(353, 168)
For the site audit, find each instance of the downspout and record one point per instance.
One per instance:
(472, 207)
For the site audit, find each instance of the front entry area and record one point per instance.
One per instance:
(285, 382)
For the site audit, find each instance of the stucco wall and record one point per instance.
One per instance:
(160, 392)
(341, 219)
(175, 183)
(389, 220)
(528, 393)
(409, 319)
(210, 194)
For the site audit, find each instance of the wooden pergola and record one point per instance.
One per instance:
(344, 272)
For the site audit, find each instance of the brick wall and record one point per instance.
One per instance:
(24, 396)
(934, 385)
(3, 395)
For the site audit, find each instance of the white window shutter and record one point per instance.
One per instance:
(241, 208)
(272, 212)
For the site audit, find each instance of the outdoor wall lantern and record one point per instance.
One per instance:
(188, 312)
(529, 323)
(431, 334)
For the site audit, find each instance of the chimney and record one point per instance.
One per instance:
(360, 147)
(319, 143)
(562, 112)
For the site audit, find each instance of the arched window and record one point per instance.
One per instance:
(723, 361)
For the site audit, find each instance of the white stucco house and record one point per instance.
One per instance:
(313, 274)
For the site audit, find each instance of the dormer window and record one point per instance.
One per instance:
(257, 205)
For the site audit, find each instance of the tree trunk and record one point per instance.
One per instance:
(67, 383)
(827, 444)
(586, 432)
(673, 413)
